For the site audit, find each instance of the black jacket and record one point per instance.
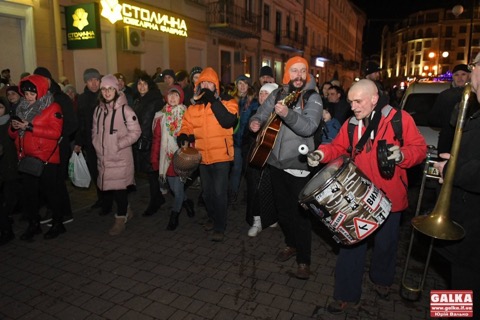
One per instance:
(145, 108)
(87, 101)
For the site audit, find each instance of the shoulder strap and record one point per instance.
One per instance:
(307, 95)
(351, 129)
(397, 126)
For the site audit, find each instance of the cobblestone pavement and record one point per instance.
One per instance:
(151, 273)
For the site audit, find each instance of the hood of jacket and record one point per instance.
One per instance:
(40, 82)
(208, 74)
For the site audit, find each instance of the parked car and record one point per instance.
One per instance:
(418, 101)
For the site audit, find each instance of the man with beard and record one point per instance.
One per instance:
(289, 171)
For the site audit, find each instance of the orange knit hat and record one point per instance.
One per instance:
(290, 63)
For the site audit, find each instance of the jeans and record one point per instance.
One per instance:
(178, 189)
(351, 261)
(214, 179)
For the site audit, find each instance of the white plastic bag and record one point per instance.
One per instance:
(78, 171)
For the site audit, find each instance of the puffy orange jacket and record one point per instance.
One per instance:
(214, 142)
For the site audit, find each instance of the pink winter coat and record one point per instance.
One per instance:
(112, 139)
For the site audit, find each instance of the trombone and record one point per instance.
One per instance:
(438, 224)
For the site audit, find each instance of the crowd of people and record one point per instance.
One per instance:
(128, 129)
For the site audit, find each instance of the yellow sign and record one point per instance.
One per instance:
(143, 18)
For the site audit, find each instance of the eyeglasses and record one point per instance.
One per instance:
(472, 65)
(109, 89)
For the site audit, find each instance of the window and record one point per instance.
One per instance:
(448, 44)
(248, 10)
(418, 46)
(449, 31)
(417, 59)
(296, 31)
(278, 26)
(428, 44)
(460, 55)
(288, 27)
(266, 17)
(461, 42)
(463, 29)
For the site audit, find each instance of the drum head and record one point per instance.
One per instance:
(324, 176)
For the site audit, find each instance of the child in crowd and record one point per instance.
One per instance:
(331, 126)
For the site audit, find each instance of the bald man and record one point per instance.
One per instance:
(372, 120)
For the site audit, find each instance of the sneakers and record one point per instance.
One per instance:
(66, 219)
(339, 306)
(303, 271)
(274, 225)
(55, 231)
(383, 292)
(286, 254)
(256, 227)
(217, 236)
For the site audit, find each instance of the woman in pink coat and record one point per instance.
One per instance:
(115, 129)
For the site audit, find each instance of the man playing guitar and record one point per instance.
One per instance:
(289, 171)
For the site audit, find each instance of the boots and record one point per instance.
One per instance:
(256, 227)
(188, 205)
(173, 223)
(56, 230)
(118, 226)
(32, 229)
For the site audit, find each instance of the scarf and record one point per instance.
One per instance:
(28, 111)
(4, 119)
(170, 124)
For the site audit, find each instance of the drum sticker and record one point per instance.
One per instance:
(345, 234)
(363, 227)
(316, 210)
(327, 193)
(366, 181)
(338, 220)
(373, 197)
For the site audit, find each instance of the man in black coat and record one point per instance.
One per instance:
(445, 103)
(87, 101)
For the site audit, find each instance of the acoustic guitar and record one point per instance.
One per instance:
(267, 136)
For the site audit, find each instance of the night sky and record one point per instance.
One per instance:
(380, 13)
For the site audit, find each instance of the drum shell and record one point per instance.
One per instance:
(348, 203)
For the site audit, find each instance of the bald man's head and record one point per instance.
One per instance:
(363, 97)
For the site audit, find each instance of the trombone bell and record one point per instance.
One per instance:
(438, 226)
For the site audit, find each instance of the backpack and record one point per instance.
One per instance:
(396, 125)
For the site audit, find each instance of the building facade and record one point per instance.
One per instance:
(232, 36)
(430, 43)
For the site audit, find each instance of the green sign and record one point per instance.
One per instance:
(83, 26)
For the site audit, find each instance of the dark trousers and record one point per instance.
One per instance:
(293, 219)
(467, 278)
(47, 186)
(121, 199)
(351, 261)
(214, 179)
(91, 160)
(156, 197)
(9, 195)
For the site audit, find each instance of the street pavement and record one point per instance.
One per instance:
(150, 273)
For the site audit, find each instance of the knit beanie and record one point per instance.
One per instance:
(269, 87)
(290, 63)
(243, 78)
(91, 73)
(27, 85)
(176, 88)
(42, 71)
(109, 81)
(266, 71)
(12, 88)
(194, 71)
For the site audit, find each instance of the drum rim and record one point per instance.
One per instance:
(329, 181)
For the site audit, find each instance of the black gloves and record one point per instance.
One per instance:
(208, 96)
(183, 137)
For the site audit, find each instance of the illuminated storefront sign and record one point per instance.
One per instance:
(142, 18)
(83, 26)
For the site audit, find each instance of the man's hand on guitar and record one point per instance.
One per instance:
(314, 158)
(281, 109)
(254, 126)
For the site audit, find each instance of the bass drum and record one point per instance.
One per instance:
(346, 201)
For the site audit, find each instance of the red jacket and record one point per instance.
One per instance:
(414, 151)
(47, 128)
(154, 154)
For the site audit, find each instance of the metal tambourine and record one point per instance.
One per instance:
(385, 166)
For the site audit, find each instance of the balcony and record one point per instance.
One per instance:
(288, 40)
(233, 21)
